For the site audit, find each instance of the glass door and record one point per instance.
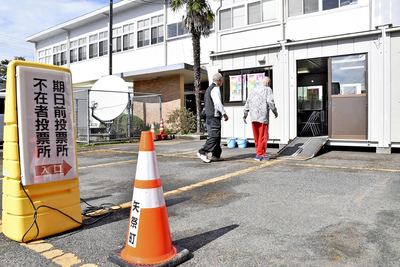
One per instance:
(348, 97)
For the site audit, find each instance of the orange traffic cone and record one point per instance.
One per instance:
(162, 135)
(153, 132)
(162, 126)
(149, 239)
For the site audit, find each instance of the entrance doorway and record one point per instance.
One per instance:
(332, 97)
(312, 97)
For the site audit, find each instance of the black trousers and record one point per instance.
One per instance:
(213, 143)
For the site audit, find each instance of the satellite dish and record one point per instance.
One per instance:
(108, 98)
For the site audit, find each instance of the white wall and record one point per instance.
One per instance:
(249, 37)
(349, 19)
(53, 41)
(235, 127)
(395, 87)
(89, 70)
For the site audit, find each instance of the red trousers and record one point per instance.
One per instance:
(260, 132)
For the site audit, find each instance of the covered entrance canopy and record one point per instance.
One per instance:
(158, 72)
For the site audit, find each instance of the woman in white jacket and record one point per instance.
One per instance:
(260, 101)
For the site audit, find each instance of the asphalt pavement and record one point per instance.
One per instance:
(340, 208)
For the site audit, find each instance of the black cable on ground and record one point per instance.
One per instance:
(87, 212)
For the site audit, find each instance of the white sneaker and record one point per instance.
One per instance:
(203, 157)
(216, 159)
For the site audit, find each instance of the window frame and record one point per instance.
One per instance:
(320, 7)
(177, 28)
(230, 16)
(58, 51)
(142, 41)
(268, 71)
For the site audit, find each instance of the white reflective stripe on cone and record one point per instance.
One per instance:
(147, 167)
(148, 198)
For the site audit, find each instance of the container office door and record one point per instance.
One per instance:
(347, 92)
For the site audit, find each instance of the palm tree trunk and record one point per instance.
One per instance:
(197, 78)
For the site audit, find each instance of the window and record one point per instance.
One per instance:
(93, 50)
(143, 38)
(329, 4)
(103, 48)
(82, 53)
(116, 44)
(45, 56)
(175, 29)
(93, 45)
(59, 55)
(150, 31)
(238, 84)
(57, 59)
(157, 19)
(157, 29)
(98, 44)
(157, 34)
(269, 10)
(225, 19)
(254, 14)
(116, 41)
(73, 55)
(128, 37)
(233, 17)
(299, 7)
(143, 23)
(78, 50)
(348, 75)
(93, 38)
(63, 58)
(238, 14)
(103, 43)
(247, 14)
(82, 49)
(128, 41)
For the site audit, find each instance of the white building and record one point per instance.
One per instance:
(335, 59)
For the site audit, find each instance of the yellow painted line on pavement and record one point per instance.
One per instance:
(56, 255)
(188, 152)
(107, 164)
(220, 178)
(349, 168)
(191, 187)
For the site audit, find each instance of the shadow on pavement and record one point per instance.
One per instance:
(196, 242)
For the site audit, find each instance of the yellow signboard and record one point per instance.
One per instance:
(39, 150)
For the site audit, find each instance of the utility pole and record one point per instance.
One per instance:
(110, 28)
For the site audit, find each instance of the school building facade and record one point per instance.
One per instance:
(332, 62)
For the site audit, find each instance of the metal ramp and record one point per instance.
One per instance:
(302, 148)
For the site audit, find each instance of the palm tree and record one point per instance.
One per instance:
(197, 20)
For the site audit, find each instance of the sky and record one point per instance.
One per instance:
(20, 19)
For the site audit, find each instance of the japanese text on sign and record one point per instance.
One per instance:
(45, 117)
(134, 224)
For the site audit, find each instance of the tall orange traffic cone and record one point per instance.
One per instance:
(148, 240)
(153, 132)
(161, 135)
